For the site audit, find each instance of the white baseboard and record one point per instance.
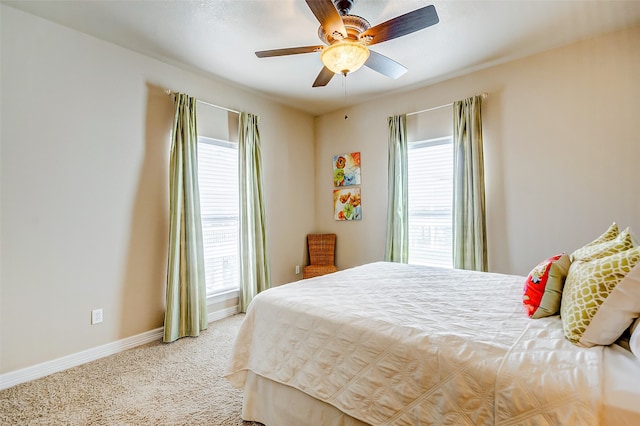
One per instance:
(27, 374)
(222, 313)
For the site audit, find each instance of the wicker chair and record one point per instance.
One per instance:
(321, 255)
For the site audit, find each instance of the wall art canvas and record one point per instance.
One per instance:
(346, 204)
(346, 169)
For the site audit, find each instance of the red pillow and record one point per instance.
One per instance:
(543, 288)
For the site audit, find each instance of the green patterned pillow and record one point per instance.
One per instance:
(587, 290)
(608, 235)
(617, 312)
(602, 249)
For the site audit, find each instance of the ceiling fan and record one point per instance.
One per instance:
(347, 38)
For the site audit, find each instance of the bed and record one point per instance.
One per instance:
(397, 344)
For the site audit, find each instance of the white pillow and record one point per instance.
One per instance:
(634, 341)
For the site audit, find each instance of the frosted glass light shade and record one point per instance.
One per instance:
(344, 56)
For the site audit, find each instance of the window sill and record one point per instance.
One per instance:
(223, 296)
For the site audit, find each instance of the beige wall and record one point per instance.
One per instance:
(561, 151)
(85, 128)
(85, 141)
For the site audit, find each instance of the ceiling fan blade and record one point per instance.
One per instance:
(328, 16)
(402, 25)
(288, 51)
(323, 78)
(384, 65)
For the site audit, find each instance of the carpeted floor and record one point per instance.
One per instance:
(156, 384)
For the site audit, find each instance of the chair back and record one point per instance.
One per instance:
(321, 249)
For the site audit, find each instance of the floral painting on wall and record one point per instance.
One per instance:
(346, 204)
(346, 169)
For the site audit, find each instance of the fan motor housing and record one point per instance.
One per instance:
(354, 25)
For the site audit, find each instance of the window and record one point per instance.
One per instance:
(430, 193)
(218, 181)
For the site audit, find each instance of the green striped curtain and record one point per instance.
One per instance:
(254, 260)
(469, 215)
(397, 243)
(186, 311)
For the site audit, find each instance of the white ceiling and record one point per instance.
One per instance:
(219, 38)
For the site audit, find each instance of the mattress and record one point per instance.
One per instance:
(397, 344)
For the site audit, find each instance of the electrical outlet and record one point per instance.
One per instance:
(297, 269)
(96, 316)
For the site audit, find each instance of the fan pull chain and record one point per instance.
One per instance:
(344, 86)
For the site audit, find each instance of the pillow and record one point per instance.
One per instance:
(617, 312)
(589, 288)
(595, 251)
(543, 288)
(608, 235)
(634, 341)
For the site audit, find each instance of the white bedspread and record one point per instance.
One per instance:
(397, 344)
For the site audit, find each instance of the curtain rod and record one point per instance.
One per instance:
(169, 92)
(484, 96)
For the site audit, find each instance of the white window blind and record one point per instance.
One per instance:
(218, 181)
(430, 193)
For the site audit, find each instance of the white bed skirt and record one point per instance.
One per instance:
(274, 404)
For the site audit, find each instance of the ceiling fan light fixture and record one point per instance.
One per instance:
(344, 56)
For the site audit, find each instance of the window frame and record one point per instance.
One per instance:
(229, 293)
(422, 144)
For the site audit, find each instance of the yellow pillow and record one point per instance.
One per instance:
(587, 290)
(602, 249)
(608, 235)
